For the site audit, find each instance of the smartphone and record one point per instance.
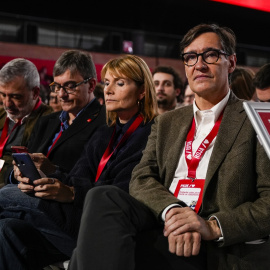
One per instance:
(26, 166)
(19, 149)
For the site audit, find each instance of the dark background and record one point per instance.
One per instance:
(159, 16)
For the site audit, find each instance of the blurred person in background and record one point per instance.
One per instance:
(262, 83)
(241, 83)
(54, 102)
(168, 86)
(45, 80)
(99, 93)
(188, 96)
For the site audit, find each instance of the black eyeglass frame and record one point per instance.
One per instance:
(202, 54)
(64, 87)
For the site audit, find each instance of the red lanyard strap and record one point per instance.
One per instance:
(194, 160)
(5, 136)
(39, 102)
(108, 152)
(55, 141)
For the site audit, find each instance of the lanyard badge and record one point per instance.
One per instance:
(190, 190)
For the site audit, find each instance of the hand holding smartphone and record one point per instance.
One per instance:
(26, 166)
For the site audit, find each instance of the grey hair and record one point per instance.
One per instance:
(20, 67)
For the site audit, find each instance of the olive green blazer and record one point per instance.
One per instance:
(237, 185)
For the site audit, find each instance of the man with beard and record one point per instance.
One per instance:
(168, 86)
(22, 107)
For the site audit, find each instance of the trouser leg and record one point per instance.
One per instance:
(109, 224)
(17, 205)
(22, 247)
(152, 252)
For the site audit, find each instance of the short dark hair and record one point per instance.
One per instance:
(177, 81)
(78, 62)
(241, 83)
(226, 35)
(262, 77)
(99, 91)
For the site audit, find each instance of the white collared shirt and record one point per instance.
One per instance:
(205, 121)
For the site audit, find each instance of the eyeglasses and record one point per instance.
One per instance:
(209, 57)
(68, 87)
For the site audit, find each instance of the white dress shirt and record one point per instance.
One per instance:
(205, 121)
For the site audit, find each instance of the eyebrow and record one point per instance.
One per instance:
(162, 80)
(204, 50)
(11, 94)
(66, 82)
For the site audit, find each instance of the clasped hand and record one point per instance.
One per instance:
(185, 230)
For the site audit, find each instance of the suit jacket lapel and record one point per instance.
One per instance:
(83, 120)
(2, 118)
(182, 122)
(232, 121)
(54, 124)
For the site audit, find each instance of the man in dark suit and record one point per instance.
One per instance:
(58, 139)
(22, 107)
(203, 182)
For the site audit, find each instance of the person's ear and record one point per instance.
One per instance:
(36, 91)
(178, 91)
(92, 84)
(142, 92)
(232, 63)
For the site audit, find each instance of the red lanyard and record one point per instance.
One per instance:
(108, 152)
(5, 136)
(38, 104)
(55, 141)
(193, 160)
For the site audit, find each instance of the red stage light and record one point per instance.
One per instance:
(263, 5)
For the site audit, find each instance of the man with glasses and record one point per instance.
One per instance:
(58, 139)
(200, 196)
